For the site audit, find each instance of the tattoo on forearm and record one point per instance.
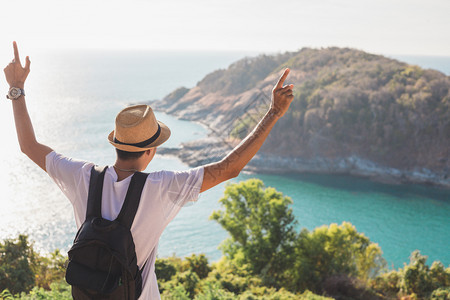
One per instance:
(243, 151)
(260, 129)
(213, 170)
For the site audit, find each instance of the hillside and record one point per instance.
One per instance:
(353, 112)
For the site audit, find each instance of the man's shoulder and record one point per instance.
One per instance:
(57, 163)
(56, 156)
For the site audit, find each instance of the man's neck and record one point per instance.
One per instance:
(125, 168)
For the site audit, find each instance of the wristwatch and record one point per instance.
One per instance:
(14, 93)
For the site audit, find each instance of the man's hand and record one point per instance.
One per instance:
(282, 96)
(14, 72)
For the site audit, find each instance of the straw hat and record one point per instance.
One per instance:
(138, 130)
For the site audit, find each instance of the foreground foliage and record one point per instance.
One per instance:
(264, 258)
(416, 279)
(21, 268)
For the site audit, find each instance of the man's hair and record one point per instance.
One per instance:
(125, 155)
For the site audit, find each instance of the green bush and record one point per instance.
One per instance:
(58, 291)
(48, 269)
(416, 278)
(16, 260)
(333, 250)
(387, 284)
(6, 295)
(175, 292)
(198, 264)
(420, 279)
(186, 281)
(213, 291)
(231, 277)
(441, 294)
(165, 269)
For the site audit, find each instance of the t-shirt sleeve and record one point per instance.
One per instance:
(68, 174)
(180, 188)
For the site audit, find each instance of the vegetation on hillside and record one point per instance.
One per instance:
(264, 258)
(380, 108)
(242, 75)
(349, 102)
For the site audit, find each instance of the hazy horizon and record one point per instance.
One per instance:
(388, 27)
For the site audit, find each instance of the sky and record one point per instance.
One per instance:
(409, 27)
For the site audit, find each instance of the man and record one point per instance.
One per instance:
(136, 136)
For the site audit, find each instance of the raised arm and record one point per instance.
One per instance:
(15, 76)
(235, 161)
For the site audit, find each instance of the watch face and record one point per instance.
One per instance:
(14, 93)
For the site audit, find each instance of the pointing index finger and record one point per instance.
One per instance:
(282, 78)
(16, 53)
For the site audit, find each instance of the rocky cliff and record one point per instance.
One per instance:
(353, 113)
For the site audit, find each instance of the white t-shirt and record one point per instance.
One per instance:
(164, 193)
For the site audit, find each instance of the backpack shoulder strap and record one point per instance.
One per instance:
(132, 199)
(94, 202)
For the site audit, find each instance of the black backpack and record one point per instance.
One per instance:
(102, 261)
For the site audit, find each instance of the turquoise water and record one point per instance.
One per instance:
(73, 99)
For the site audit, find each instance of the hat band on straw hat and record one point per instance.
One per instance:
(144, 143)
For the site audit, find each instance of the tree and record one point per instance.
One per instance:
(420, 279)
(330, 251)
(416, 278)
(261, 226)
(49, 269)
(16, 259)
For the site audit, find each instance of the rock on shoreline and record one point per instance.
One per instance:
(209, 150)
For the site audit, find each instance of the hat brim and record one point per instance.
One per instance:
(163, 136)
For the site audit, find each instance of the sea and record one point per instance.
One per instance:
(73, 97)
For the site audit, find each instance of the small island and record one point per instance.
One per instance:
(354, 113)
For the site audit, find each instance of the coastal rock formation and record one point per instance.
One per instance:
(353, 113)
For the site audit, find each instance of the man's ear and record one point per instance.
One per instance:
(150, 151)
